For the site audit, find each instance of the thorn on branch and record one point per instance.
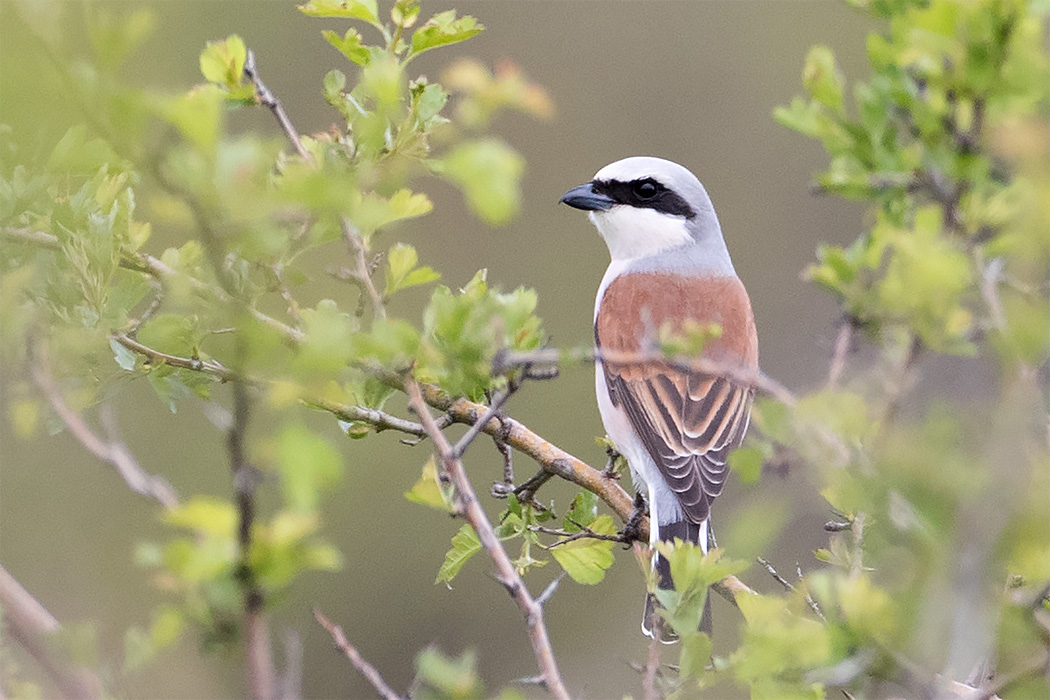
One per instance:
(354, 657)
(548, 592)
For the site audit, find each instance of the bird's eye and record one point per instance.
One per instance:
(645, 189)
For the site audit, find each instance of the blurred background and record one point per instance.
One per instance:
(695, 82)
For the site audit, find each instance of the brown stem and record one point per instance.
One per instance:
(31, 626)
(354, 656)
(269, 100)
(467, 504)
(110, 449)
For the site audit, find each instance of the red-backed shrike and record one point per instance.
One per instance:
(669, 265)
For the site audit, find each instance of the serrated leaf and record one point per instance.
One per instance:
(585, 560)
(402, 272)
(350, 45)
(372, 212)
(350, 9)
(465, 544)
(222, 62)
(443, 29)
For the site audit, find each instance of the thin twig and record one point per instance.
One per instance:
(262, 676)
(31, 625)
(467, 504)
(809, 599)
(650, 689)
(215, 369)
(286, 295)
(702, 365)
(464, 442)
(292, 678)
(585, 533)
(776, 577)
(843, 343)
(269, 100)
(110, 449)
(362, 273)
(354, 656)
(380, 420)
(548, 592)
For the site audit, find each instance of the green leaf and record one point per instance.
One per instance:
(197, 115)
(443, 29)
(747, 463)
(465, 544)
(402, 272)
(334, 81)
(350, 45)
(350, 9)
(444, 678)
(124, 357)
(371, 211)
(428, 490)
(488, 171)
(821, 77)
(585, 560)
(308, 465)
(205, 514)
(582, 511)
(222, 62)
(427, 102)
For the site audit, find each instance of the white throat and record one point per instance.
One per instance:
(631, 232)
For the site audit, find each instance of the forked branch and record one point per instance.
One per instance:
(467, 505)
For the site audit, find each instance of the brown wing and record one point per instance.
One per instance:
(688, 422)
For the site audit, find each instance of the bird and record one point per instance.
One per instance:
(669, 266)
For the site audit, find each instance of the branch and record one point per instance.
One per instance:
(467, 505)
(270, 101)
(361, 272)
(354, 656)
(154, 267)
(380, 420)
(31, 625)
(111, 449)
(262, 676)
(843, 345)
(215, 369)
(702, 365)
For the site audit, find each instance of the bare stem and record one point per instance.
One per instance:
(31, 625)
(467, 504)
(361, 272)
(269, 100)
(354, 656)
(702, 365)
(110, 449)
(843, 342)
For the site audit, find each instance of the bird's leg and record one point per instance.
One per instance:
(632, 529)
(611, 471)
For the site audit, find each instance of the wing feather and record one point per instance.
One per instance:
(687, 422)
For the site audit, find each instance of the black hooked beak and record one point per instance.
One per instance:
(584, 197)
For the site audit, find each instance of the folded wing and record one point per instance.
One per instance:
(688, 422)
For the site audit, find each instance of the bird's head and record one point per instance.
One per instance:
(644, 206)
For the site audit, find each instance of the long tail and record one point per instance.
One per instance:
(686, 531)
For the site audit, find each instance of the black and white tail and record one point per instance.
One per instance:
(687, 531)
